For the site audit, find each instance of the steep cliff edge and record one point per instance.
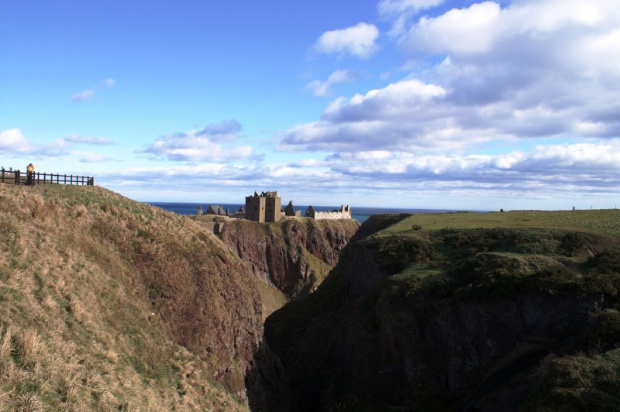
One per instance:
(491, 312)
(294, 255)
(111, 304)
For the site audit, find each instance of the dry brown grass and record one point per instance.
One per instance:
(77, 330)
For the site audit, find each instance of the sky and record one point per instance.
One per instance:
(460, 105)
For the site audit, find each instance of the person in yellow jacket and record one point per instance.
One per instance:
(30, 175)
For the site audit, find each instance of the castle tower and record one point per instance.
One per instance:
(273, 207)
(264, 208)
(255, 208)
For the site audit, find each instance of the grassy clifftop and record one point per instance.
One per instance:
(111, 304)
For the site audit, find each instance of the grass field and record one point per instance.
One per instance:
(601, 221)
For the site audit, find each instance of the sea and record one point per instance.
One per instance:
(358, 213)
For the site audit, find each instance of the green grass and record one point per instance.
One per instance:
(578, 383)
(597, 221)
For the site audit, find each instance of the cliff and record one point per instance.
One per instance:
(111, 304)
(107, 303)
(294, 255)
(493, 312)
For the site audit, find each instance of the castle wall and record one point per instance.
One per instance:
(273, 209)
(255, 208)
(343, 213)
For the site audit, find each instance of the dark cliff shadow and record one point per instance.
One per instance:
(266, 383)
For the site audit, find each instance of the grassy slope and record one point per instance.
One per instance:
(467, 257)
(83, 323)
(596, 221)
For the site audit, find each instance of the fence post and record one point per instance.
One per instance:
(17, 177)
(3, 175)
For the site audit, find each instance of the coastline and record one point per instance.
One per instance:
(358, 213)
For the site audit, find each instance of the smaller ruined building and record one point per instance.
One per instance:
(343, 213)
(264, 208)
(289, 210)
(239, 214)
(217, 210)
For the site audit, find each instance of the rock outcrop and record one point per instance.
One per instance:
(294, 255)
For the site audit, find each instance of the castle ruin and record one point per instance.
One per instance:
(343, 213)
(264, 208)
(267, 207)
(290, 211)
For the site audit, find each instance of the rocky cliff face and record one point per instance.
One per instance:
(294, 255)
(449, 320)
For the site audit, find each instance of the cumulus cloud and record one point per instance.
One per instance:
(398, 7)
(89, 94)
(359, 40)
(408, 115)
(322, 89)
(13, 141)
(555, 171)
(225, 130)
(83, 96)
(400, 12)
(584, 167)
(98, 141)
(93, 158)
(209, 144)
(470, 30)
(527, 70)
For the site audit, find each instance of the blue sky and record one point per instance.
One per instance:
(390, 103)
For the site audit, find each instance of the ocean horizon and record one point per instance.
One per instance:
(358, 213)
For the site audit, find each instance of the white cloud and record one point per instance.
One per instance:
(99, 141)
(322, 89)
(13, 141)
(398, 7)
(93, 158)
(225, 130)
(514, 72)
(545, 174)
(204, 145)
(89, 94)
(586, 165)
(83, 96)
(407, 115)
(359, 40)
(470, 30)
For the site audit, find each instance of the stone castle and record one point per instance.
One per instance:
(343, 213)
(264, 208)
(267, 207)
